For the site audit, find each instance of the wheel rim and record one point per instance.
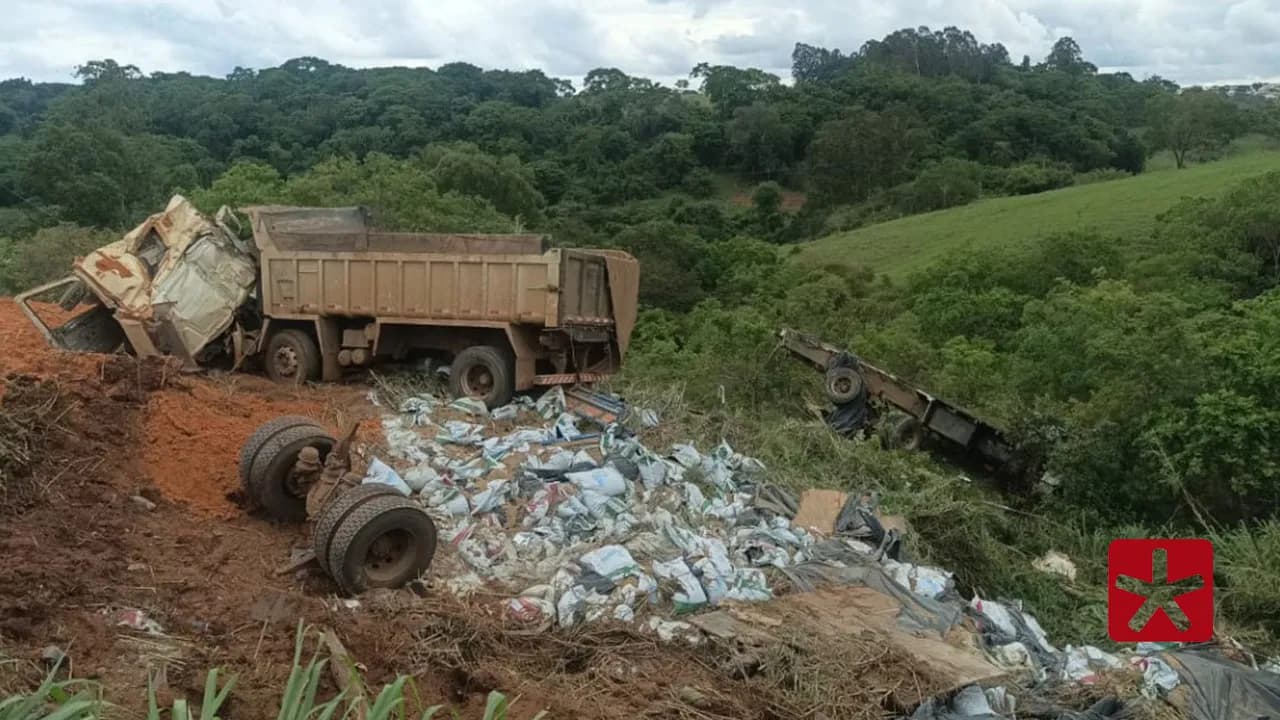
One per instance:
(477, 381)
(389, 557)
(843, 385)
(286, 362)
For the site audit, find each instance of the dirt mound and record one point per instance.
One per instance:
(193, 436)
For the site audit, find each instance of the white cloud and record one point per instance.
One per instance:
(1190, 41)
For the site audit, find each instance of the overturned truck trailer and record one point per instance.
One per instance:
(321, 290)
(911, 418)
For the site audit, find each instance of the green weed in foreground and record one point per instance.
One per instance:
(82, 700)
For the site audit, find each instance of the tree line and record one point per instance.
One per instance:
(915, 121)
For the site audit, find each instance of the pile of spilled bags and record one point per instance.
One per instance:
(579, 521)
(581, 524)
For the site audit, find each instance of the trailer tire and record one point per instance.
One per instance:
(385, 542)
(265, 432)
(292, 357)
(484, 372)
(337, 510)
(843, 385)
(270, 472)
(905, 434)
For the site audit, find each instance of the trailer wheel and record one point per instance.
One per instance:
(292, 357)
(905, 434)
(337, 510)
(384, 543)
(843, 384)
(483, 372)
(272, 484)
(265, 432)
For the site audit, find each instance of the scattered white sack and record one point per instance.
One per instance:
(748, 585)
(649, 418)
(421, 476)
(570, 605)
(714, 583)
(997, 613)
(1055, 563)
(691, 596)
(582, 458)
(1013, 655)
(464, 585)
(924, 581)
(458, 432)
(1083, 663)
(624, 613)
(419, 408)
(606, 480)
(490, 498)
(531, 610)
(506, 412)
(470, 406)
(671, 630)
(379, 472)
(567, 427)
(611, 561)
(551, 403)
(686, 454)
(971, 702)
(693, 498)
(469, 469)
(653, 471)
(1158, 679)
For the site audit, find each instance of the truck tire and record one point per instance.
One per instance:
(270, 473)
(337, 510)
(292, 357)
(265, 432)
(384, 543)
(483, 372)
(905, 434)
(843, 385)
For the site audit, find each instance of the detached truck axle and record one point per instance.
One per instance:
(363, 536)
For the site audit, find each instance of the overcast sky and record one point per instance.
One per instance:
(1190, 41)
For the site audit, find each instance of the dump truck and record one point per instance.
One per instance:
(321, 291)
(908, 417)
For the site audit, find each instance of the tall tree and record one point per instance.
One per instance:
(1194, 121)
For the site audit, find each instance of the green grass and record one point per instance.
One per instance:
(1119, 207)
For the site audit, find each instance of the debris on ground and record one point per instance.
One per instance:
(1055, 563)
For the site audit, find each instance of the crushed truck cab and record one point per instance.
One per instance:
(321, 291)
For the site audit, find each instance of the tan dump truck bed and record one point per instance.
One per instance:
(330, 262)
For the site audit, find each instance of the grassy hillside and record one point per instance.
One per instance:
(1119, 207)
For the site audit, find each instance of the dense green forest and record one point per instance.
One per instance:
(1146, 367)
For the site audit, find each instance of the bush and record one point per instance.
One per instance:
(1101, 175)
(47, 256)
(1030, 178)
(699, 183)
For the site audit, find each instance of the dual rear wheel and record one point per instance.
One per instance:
(368, 536)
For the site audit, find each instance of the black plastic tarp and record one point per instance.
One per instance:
(1219, 689)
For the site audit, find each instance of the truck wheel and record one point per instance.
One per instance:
(844, 384)
(905, 434)
(337, 510)
(292, 357)
(272, 485)
(265, 432)
(483, 372)
(384, 543)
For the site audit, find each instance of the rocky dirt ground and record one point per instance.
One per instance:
(121, 494)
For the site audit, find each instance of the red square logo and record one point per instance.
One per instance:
(1160, 591)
